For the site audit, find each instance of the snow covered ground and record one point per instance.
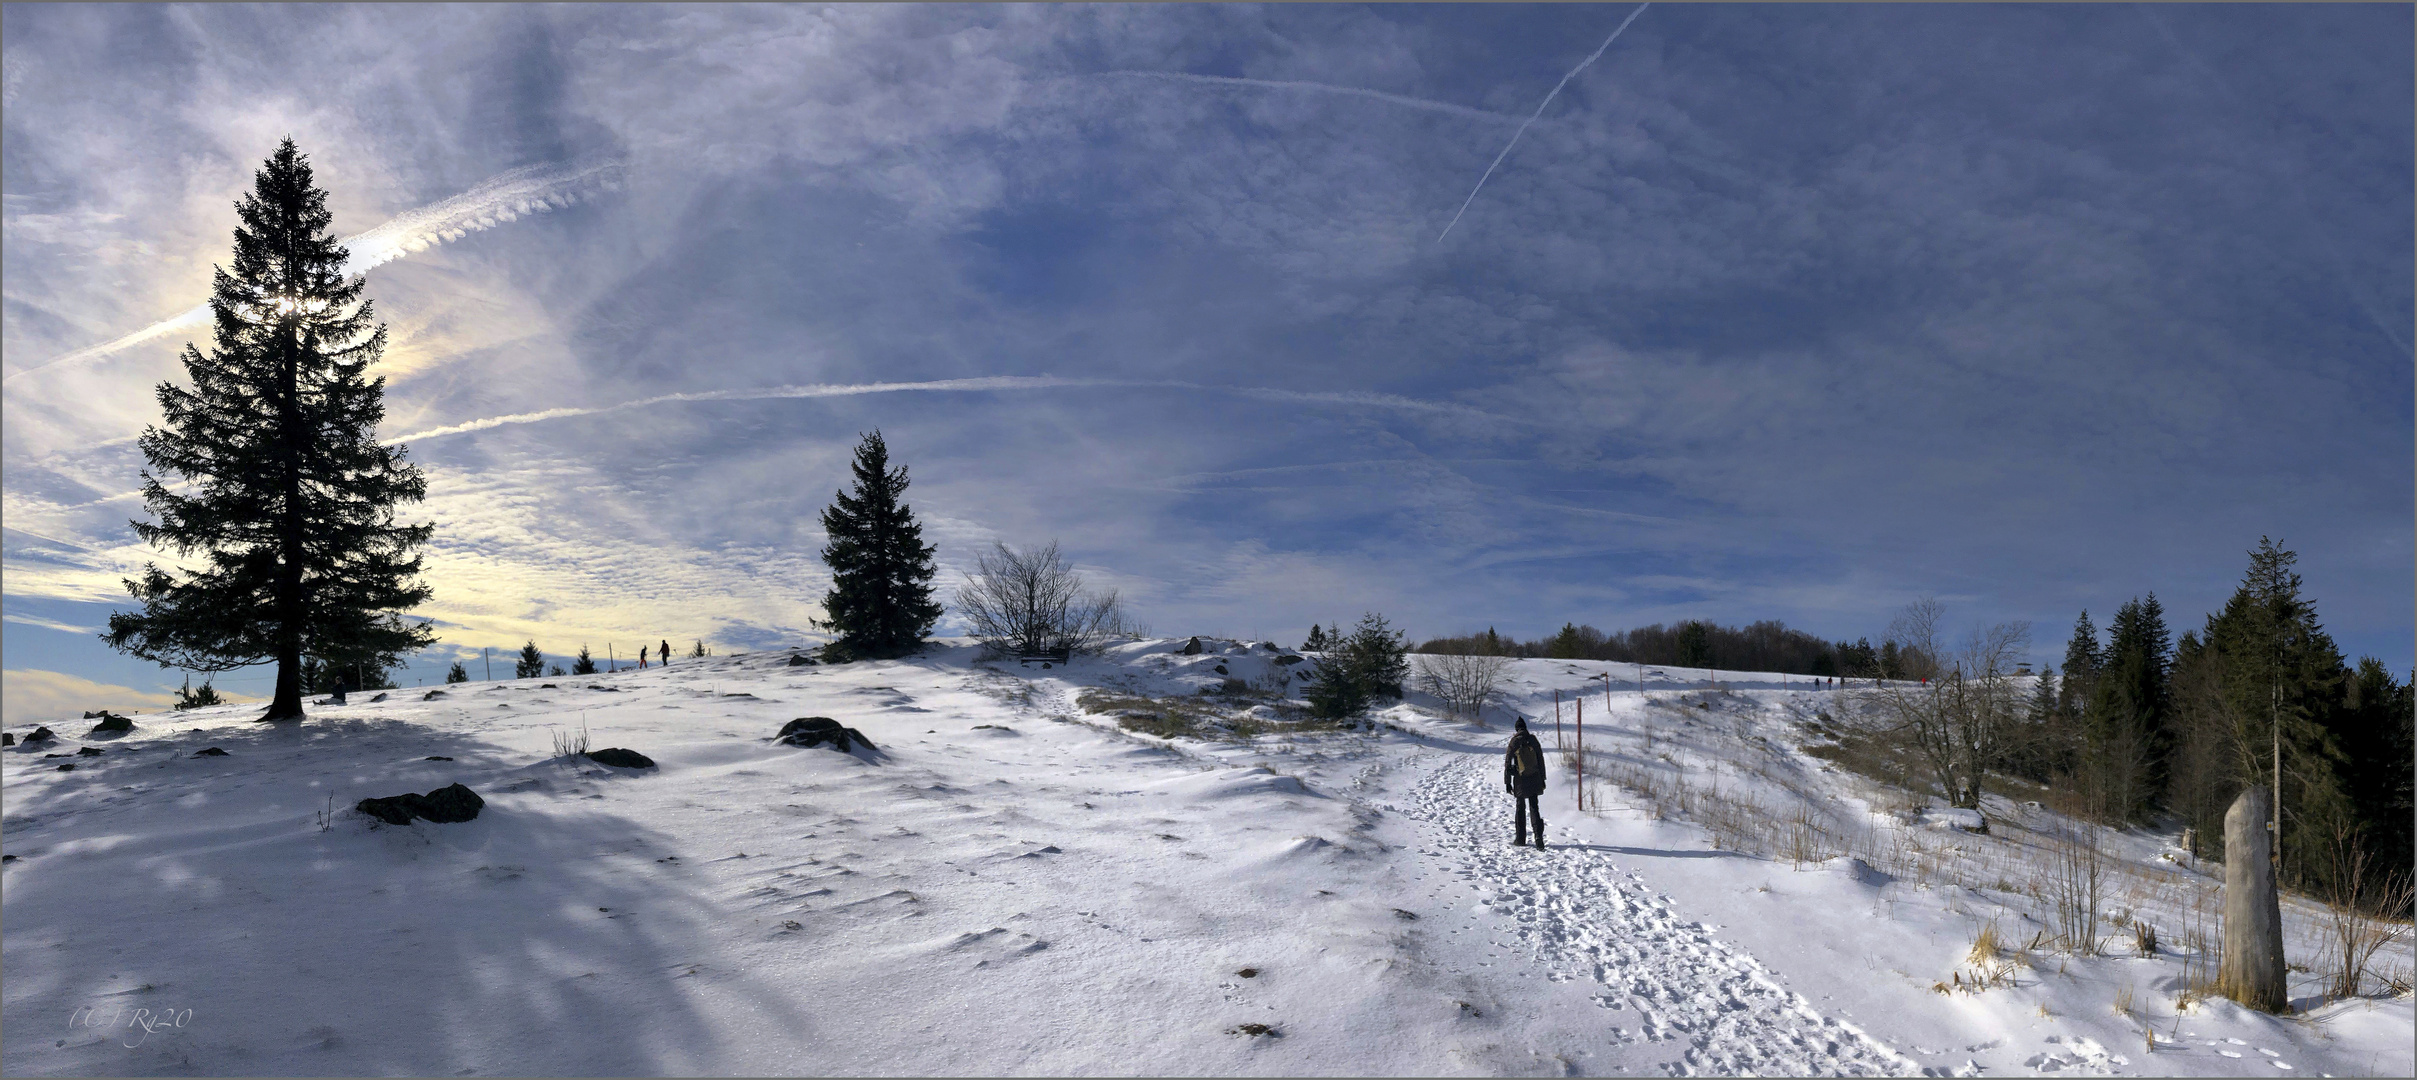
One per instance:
(1013, 882)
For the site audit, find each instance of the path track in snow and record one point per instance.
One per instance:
(1662, 978)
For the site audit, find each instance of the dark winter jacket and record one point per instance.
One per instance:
(1523, 766)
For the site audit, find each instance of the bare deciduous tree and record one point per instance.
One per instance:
(1030, 603)
(1960, 721)
(1464, 682)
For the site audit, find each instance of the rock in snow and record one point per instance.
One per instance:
(446, 805)
(817, 730)
(620, 758)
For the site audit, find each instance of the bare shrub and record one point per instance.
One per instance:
(569, 745)
(1960, 720)
(1030, 603)
(2362, 898)
(1463, 682)
(2078, 875)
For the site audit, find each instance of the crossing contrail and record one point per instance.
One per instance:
(1321, 88)
(1548, 99)
(530, 189)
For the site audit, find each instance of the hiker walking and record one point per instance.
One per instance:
(666, 652)
(1523, 777)
(642, 657)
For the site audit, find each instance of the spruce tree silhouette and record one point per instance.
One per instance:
(291, 498)
(880, 603)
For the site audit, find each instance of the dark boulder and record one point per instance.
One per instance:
(90, 751)
(67, 766)
(819, 730)
(620, 758)
(800, 660)
(7, 739)
(41, 734)
(436, 757)
(379, 698)
(446, 805)
(112, 722)
(432, 695)
(210, 752)
(452, 803)
(1192, 647)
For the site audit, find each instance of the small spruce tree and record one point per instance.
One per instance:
(189, 698)
(697, 653)
(531, 663)
(457, 673)
(1316, 641)
(585, 664)
(880, 603)
(1357, 670)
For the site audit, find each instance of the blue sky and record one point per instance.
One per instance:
(1794, 312)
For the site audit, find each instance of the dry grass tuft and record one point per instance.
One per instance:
(1986, 949)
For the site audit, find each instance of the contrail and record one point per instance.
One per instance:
(994, 382)
(530, 189)
(1356, 398)
(1322, 88)
(1548, 99)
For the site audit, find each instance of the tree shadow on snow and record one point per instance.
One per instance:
(553, 935)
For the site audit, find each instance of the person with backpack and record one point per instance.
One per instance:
(1523, 777)
(665, 652)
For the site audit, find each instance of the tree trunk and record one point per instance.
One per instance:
(2252, 971)
(286, 704)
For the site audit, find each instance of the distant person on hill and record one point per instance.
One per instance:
(1523, 777)
(665, 652)
(642, 656)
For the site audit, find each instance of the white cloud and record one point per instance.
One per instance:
(35, 696)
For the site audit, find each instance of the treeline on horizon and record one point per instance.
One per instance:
(1769, 645)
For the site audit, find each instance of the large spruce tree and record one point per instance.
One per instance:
(880, 604)
(285, 491)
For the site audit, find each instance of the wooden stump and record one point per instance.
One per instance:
(2252, 970)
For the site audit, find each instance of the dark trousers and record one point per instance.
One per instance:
(1528, 811)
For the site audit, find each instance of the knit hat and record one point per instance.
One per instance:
(1519, 724)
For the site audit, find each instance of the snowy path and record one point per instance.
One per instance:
(1662, 978)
